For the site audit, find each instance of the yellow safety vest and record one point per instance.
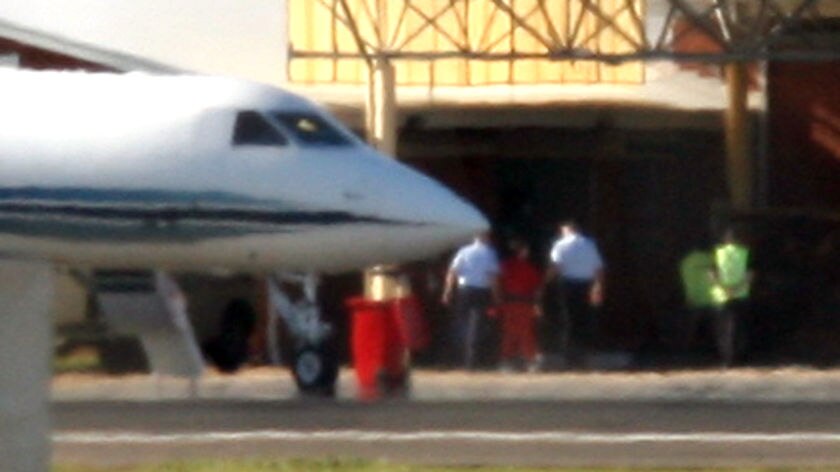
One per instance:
(732, 273)
(695, 270)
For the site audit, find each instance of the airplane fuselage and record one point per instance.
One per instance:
(185, 172)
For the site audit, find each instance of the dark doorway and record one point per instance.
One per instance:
(644, 195)
(535, 194)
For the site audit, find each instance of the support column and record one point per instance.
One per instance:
(382, 134)
(26, 297)
(739, 165)
(382, 107)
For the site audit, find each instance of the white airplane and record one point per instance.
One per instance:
(174, 172)
(184, 173)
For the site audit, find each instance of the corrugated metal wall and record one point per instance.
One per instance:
(435, 26)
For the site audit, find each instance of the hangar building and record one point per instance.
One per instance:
(636, 151)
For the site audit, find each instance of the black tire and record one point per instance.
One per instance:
(315, 369)
(229, 349)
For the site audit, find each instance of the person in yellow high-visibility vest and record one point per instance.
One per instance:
(730, 292)
(695, 270)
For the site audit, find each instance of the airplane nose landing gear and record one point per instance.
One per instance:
(315, 369)
(315, 363)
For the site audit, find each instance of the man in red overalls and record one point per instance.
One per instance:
(520, 284)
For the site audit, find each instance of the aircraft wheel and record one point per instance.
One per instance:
(315, 369)
(229, 349)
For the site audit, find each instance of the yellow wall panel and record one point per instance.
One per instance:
(414, 37)
(476, 25)
(350, 71)
(450, 72)
(490, 32)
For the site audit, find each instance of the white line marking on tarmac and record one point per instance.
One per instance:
(359, 436)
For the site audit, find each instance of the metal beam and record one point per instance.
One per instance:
(739, 165)
(578, 54)
(744, 30)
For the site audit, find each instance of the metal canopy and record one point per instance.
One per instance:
(735, 30)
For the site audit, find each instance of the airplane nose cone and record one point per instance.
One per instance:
(439, 219)
(457, 213)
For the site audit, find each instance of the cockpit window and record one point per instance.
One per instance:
(310, 129)
(251, 129)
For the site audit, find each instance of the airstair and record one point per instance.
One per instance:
(151, 306)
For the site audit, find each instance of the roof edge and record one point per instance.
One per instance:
(116, 60)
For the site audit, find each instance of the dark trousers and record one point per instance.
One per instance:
(727, 325)
(580, 317)
(730, 335)
(474, 333)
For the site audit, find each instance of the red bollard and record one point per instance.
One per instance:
(378, 348)
(411, 322)
(367, 343)
(396, 350)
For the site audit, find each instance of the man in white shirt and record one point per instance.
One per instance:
(577, 261)
(475, 272)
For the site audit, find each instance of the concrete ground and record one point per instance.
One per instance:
(264, 383)
(745, 417)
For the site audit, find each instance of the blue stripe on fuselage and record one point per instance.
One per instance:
(129, 196)
(154, 215)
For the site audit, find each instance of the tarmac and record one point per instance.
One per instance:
(612, 413)
(777, 384)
